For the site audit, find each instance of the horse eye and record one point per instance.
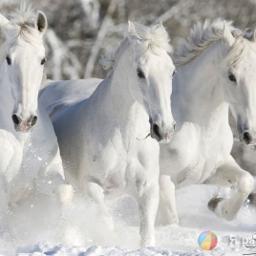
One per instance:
(9, 61)
(173, 74)
(140, 74)
(43, 61)
(232, 77)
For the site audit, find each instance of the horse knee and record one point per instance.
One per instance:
(246, 183)
(96, 192)
(165, 181)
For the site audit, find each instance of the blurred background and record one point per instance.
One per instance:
(82, 31)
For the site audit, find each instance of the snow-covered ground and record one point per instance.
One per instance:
(35, 228)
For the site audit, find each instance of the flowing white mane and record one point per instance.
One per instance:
(24, 15)
(201, 36)
(154, 36)
(152, 39)
(23, 20)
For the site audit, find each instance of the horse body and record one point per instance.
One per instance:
(203, 91)
(105, 146)
(12, 143)
(106, 162)
(22, 61)
(59, 95)
(203, 139)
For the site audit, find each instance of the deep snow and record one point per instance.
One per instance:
(35, 228)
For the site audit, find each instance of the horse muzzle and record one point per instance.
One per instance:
(23, 125)
(248, 137)
(162, 134)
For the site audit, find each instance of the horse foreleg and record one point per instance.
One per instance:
(51, 180)
(242, 184)
(148, 205)
(167, 205)
(11, 154)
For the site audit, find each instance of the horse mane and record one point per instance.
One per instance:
(24, 19)
(23, 16)
(154, 38)
(201, 36)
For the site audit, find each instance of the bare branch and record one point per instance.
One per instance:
(106, 23)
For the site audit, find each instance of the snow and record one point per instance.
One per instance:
(35, 227)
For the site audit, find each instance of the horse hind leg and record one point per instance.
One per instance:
(242, 184)
(96, 192)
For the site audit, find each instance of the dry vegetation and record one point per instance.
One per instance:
(81, 31)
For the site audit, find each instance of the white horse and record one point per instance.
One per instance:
(245, 156)
(201, 148)
(26, 132)
(104, 140)
(216, 73)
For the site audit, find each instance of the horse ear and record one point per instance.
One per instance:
(5, 24)
(254, 35)
(3, 21)
(131, 29)
(237, 33)
(228, 36)
(158, 26)
(135, 30)
(41, 22)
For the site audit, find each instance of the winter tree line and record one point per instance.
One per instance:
(82, 32)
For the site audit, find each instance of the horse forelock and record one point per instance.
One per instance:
(24, 15)
(23, 20)
(152, 39)
(156, 37)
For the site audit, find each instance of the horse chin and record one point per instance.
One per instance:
(161, 139)
(22, 128)
(251, 145)
(165, 140)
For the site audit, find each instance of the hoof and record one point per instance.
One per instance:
(174, 225)
(252, 199)
(213, 203)
(168, 221)
(174, 221)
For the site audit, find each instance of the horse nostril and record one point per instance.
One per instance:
(16, 119)
(174, 126)
(33, 120)
(247, 137)
(156, 130)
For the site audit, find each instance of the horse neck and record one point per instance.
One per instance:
(114, 98)
(197, 91)
(120, 88)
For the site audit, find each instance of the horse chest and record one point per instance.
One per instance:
(111, 163)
